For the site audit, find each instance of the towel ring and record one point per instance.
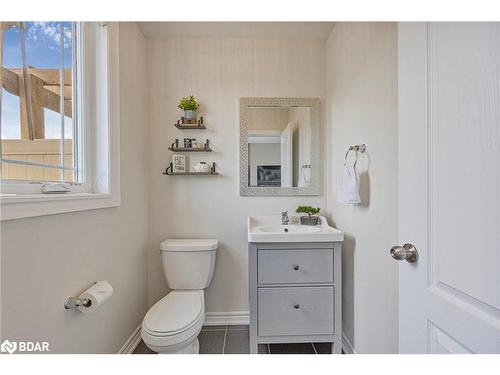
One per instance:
(361, 148)
(347, 154)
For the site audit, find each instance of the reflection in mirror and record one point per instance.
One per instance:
(279, 146)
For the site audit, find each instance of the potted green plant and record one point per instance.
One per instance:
(310, 219)
(190, 106)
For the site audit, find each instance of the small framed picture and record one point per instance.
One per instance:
(179, 163)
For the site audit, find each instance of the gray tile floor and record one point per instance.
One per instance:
(234, 340)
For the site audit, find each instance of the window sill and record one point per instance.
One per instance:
(23, 206)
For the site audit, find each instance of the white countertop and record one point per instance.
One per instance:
(269, 229)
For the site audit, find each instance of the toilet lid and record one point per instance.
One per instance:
(189, 245)
(175, 312)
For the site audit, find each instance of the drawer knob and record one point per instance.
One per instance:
(296, 268)
(296, 306)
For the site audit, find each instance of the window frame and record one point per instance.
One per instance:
(98, 67)
(83, 44)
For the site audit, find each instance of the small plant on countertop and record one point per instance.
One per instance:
(310, 219)
(308, 210)
(189, 103)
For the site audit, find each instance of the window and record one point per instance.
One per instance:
(40, 76)
(58, 115)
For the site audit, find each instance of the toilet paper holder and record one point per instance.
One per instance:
(74, 302)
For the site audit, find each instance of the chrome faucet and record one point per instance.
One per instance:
(284, 218)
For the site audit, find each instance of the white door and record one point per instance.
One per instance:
(449, 187)
(286, 156)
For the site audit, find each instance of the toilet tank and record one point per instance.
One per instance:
(188, 264)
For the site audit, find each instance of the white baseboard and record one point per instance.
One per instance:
(211, 319)
(132, 342)
(227, 318)
(215, 319)
(347, 345)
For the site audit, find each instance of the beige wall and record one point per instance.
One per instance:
(218, 72)
(268, 118)
(362, 108)
(46, 259)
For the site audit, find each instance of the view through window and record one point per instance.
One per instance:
(37, 122)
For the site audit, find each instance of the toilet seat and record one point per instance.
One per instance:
(175, 319)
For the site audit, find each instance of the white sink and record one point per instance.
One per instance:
(269, 229)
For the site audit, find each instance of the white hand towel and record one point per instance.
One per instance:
(348, 192)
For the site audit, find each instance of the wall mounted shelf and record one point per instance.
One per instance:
(170, 168)
(191, 149)
(175, 147)
(190, 127)
(199, 126)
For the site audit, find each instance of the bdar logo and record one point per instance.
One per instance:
(8, 346)
(24, 346)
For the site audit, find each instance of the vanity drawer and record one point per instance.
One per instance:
(295, 266)
(290, 311)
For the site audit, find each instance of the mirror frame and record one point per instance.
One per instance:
(314, 105)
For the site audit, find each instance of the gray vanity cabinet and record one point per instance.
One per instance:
(295, 293)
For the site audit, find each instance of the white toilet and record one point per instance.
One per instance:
(172, 325)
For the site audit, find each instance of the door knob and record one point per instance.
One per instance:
(408, 252)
